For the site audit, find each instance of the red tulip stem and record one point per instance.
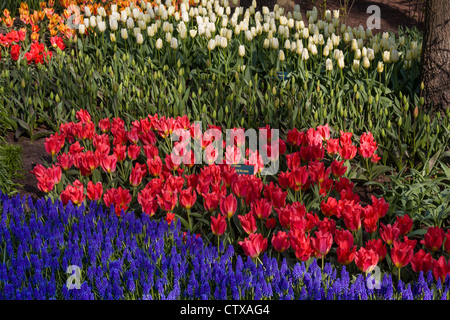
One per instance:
(218, 242)
(323, 258)
(399, 269)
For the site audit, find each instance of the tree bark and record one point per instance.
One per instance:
(435, 70)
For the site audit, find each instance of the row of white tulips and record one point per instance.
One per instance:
(217, 25)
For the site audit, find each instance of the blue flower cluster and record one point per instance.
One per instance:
(140, 258)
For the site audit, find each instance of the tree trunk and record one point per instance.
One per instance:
(435, 72)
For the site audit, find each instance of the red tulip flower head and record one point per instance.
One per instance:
(94, 191)
(433, 239)
(188, 198)
(322, 243)
(403, 252)
(421, 261)
(366, 260)
(280, 241)
(254, 245)
(248, 222)
(218, 225)
(228, 205)
(389, 233)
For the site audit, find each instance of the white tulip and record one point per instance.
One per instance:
(87, 11)
(174, 43)
(139, 38)
(92, 21)
(380, 66)
(211, 44)
(366, 63)
(281, 56)
(81, 29)
(159, 44)
(341, 62)
(386, 56)
(241, 51)
(102, 26)
(223, 42)
(305, 54)
(329, 65)
(130, 23)
(113, 24)
(356, 64)
(114, 8)
(168, 37)
(326, 51)
(370, 54)
(124, 34)
(358, 54)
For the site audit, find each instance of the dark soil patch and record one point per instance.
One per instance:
(394, 13)
(33, 153)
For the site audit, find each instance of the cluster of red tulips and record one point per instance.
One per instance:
(124, 169)
(37, 53)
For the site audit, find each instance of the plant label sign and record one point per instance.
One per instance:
(244, 169)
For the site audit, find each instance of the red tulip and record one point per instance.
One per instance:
(327, 225)
(154, 166)
(188, 198)
(104, 125)
(170, 216)
(380, 206)
(337, 168)
(134, 151)
(133, 136)
(211, 201)
(404, 223)
(299, 178)
(345, 252)
(421, 261)
(370, 221)
(65, 161)
(261, 209)
(148, 202)
(377, 246)
(218, 225)
(440, 268)
(280, 241)
(447, 242)
(351, 212)
(74, 193)
(120, 152)
(322, 243)
(137, 174)
(83, 116)
(332, 146)
(271, 223)
(348, 152)
(254, 245)
(108, 163)
(228, 206)
(402, 252)
(367, 145)
(389, 233)
(433, 239)
(248, 222)
(94, 192)
(330, 207)
(54, 143)
(366, 260)
(301, 244)
(167, 200)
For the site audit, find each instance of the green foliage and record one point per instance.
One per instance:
(10, 166)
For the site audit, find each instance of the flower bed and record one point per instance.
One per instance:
(309, 210)
(139, 258)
